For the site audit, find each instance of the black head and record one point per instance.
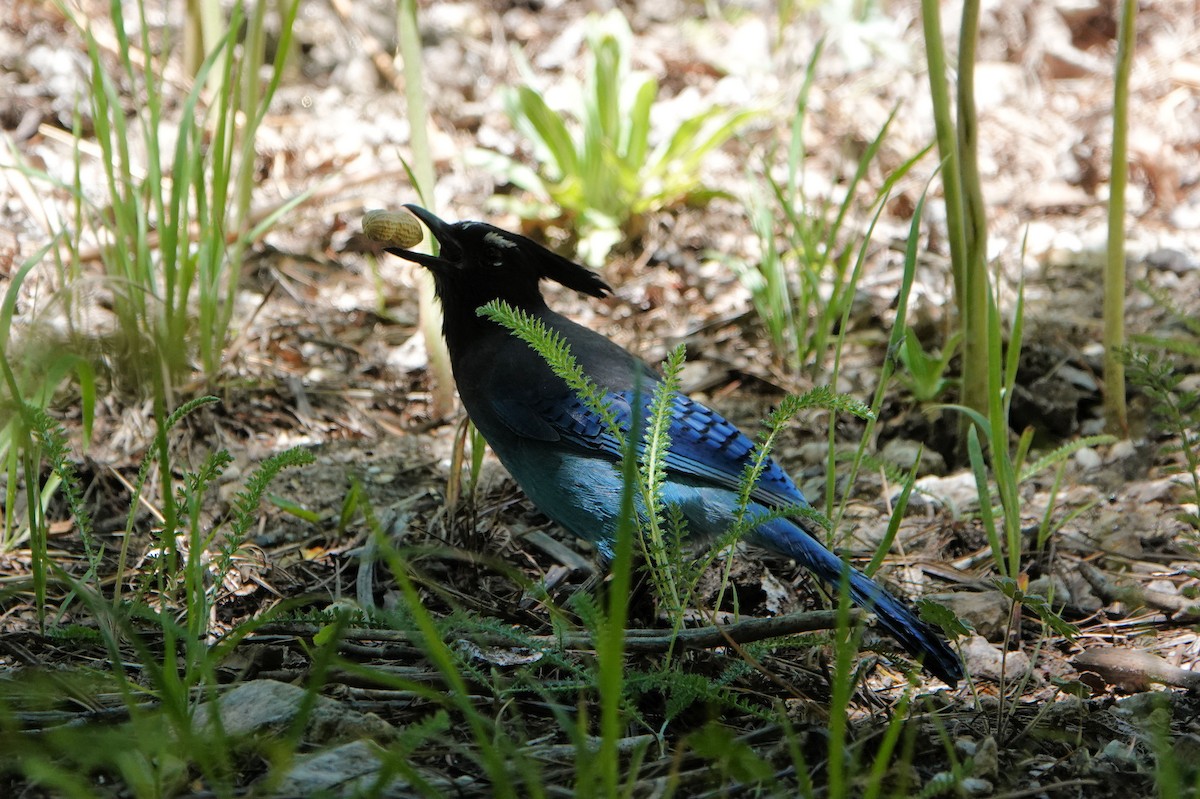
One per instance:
(479, 263)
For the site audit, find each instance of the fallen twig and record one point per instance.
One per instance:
(1136, 595)
(636, 640)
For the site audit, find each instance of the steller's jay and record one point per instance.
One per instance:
(562, 455)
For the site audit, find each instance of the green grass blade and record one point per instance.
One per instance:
(548, 128)
(637, 132)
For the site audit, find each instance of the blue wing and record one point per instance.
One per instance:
(704, 445)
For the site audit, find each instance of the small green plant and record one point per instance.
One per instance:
(1175, 408)
(176, 217)
(1185, 344)
(1000, 505)
(924, 373)
(599, 168)
(806, 275)
(197, 556)
(163, 628)
(170, 233)
(28, 386)
(885, 376)
(1000, 374)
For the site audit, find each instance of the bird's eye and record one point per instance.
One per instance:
(497, 243)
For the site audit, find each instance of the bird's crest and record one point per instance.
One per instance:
(501, 248)
(568, 273)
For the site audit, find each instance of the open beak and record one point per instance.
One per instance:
(450, 253)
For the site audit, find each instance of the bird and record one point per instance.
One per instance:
(564, 456)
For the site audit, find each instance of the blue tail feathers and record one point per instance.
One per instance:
(918, 637)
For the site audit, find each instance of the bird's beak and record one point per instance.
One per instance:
(450, 255)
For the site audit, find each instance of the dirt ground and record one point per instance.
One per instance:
(329, 357)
